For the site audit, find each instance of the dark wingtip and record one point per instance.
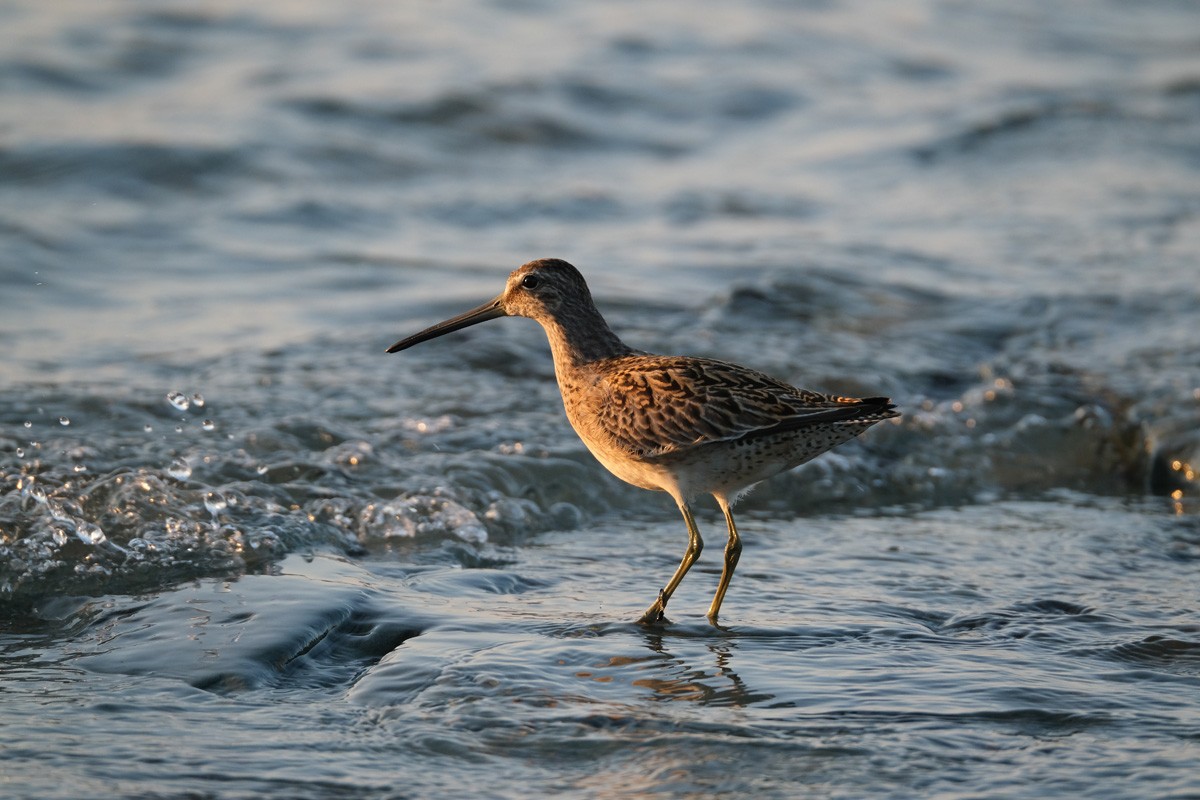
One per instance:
(883, 406)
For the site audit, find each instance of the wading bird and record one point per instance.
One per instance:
(681, 425)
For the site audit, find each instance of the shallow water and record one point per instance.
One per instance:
(244, 553)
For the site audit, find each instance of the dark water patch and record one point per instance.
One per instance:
(475, 582)
(362, 160)
(1010, 123)
(314, 627)
(25, 75)
(1184, 545)
(1035, 127)
(194, 21)
(583, 205)
(506, 116)
(447, 110)
(123, 168)
(928, 620)
(678, 102)
(756, 103)
(32, 249)
(155, 46)
(924, 70)
(1054, 608)
(661, 117)
(605, 97)
(138, 48)
(1167, 653)
(1186, 87)
(316, 214)
(696, 206)
(1036, 618)
(827, 299)
(149, 57)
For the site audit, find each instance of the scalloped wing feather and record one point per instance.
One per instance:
(658, 405)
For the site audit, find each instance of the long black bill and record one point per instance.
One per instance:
(487, 311)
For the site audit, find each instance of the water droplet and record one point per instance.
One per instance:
(64, 421)
(180, 470)
(90, 533)
(198, 400)
(28, 424)
(179, 400)
(215, 502)
(208, 425)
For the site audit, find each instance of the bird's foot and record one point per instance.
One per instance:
(712, 620)
(656, 614)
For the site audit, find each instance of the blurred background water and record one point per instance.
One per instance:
(244, 553)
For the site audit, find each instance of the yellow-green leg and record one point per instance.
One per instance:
(657, 611)
(733, 552)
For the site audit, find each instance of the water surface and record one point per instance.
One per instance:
(244, 553)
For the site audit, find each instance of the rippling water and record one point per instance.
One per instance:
(244, 553)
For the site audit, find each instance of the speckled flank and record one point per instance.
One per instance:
(686, 426)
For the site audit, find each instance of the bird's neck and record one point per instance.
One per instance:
(581, 338)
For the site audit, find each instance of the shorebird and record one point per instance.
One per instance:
(685, 426)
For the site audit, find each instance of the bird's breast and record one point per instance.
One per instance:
(585, 393)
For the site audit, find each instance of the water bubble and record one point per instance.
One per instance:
(90, 533)
(179, 429)
(148, 427)
(28, 424)
(64, 421)
(208, 425)
(179, 400)
(215, 502)
(198, 400)
(264, 540)
(262, 469)
(180, 469)
(20, 452)
(80, 468)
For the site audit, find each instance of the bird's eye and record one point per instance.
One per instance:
(530, 282)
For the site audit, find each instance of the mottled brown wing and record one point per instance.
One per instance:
(657, 405)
